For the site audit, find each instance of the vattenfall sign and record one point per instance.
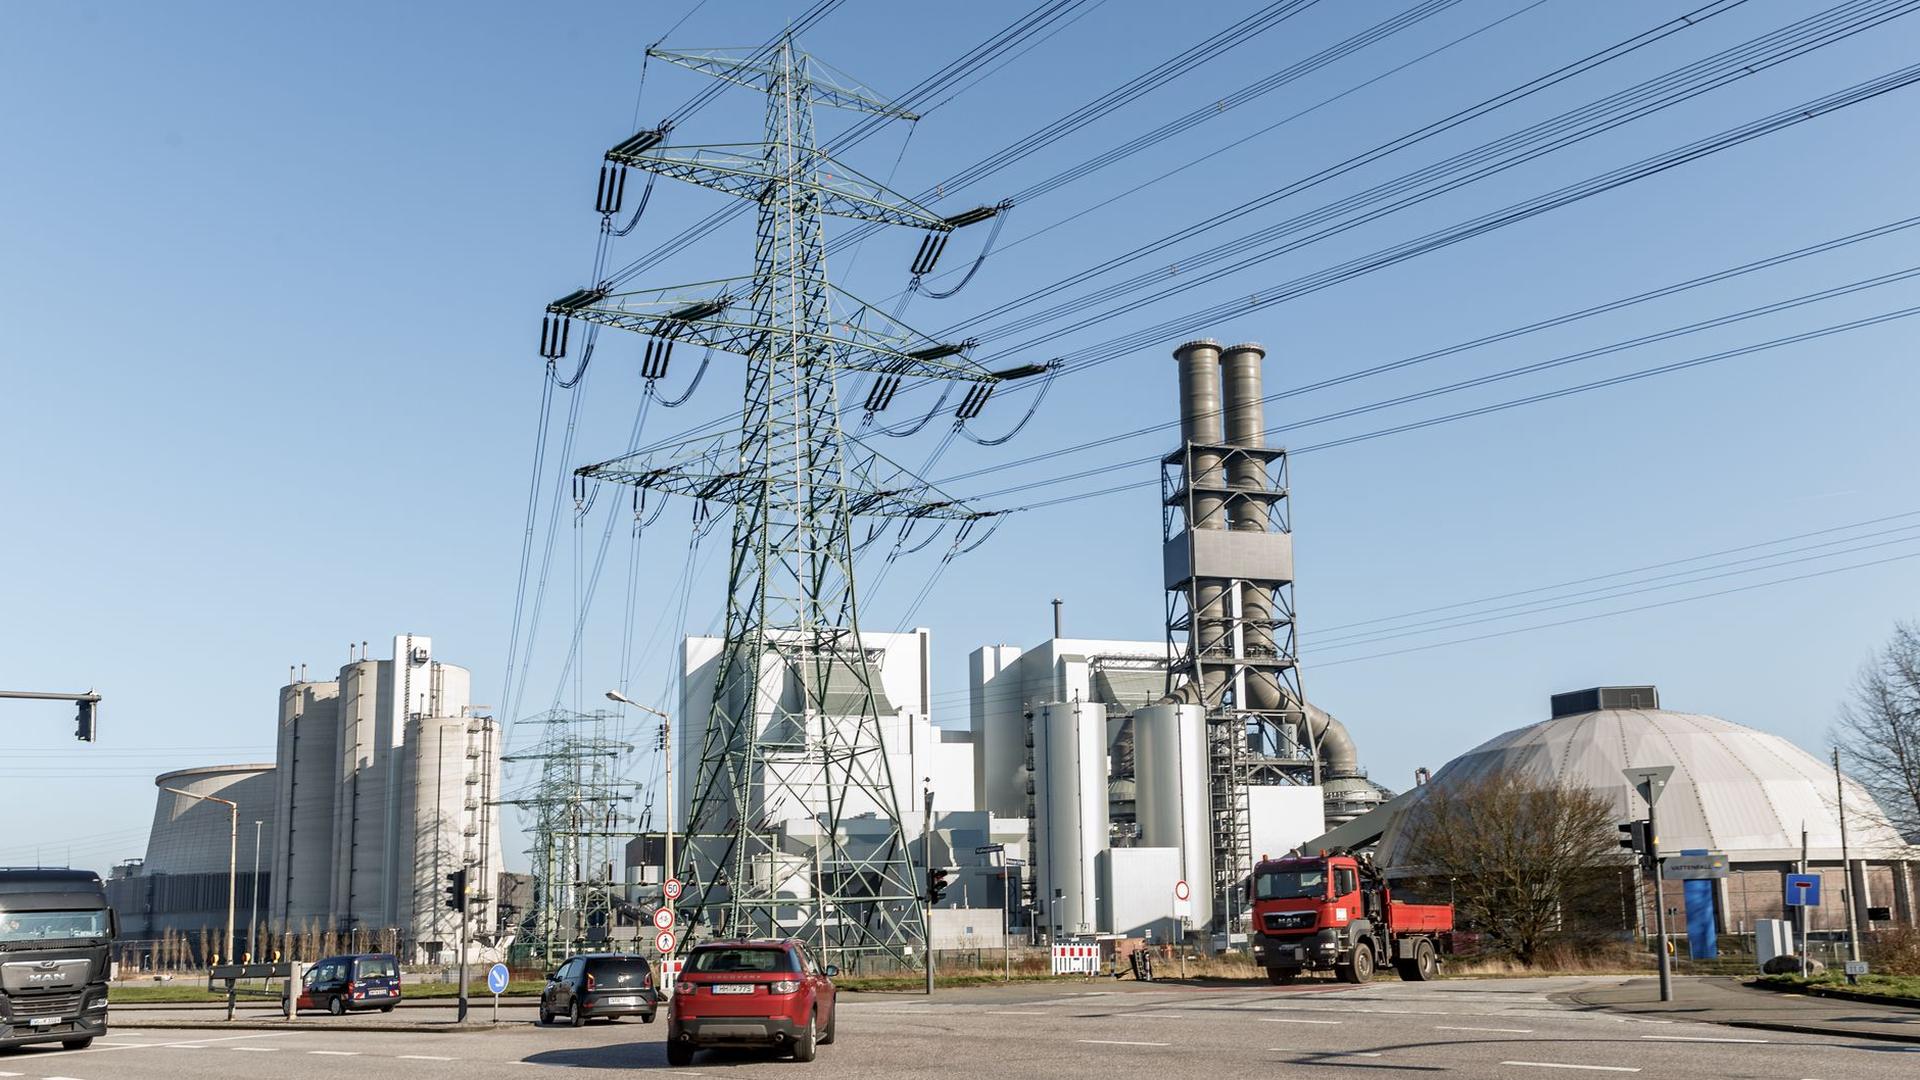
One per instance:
(1693, 867)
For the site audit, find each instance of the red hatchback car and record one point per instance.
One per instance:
(740, 993)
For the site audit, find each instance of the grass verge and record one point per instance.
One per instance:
(1906, 987)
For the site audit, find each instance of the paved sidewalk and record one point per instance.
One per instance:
(1719, 1000)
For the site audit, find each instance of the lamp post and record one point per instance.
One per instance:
(253, 905)
(666, 750)
(233, 857)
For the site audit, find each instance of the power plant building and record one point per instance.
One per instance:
(382, 785)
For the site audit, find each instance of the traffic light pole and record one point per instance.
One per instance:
(83, 726)
(926, 850)
(1659, 905)
(461, 1017)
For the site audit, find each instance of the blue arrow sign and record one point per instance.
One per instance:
(1803, 890)
(497, 979)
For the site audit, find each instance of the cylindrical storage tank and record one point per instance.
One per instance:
(435, 821)
(307, 774)
(1070, 812)
(360, 888)
(1170, 801)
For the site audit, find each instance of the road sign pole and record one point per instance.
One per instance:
(1659, 905)
(461, 1016)
(1800, 913)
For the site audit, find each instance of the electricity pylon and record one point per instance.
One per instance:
(794, 721)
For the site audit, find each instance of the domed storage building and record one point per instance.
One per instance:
(182, 884)
(1734, 790)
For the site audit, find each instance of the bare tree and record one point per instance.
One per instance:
(1879, 729)
(1524, 861)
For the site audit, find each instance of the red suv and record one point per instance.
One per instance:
(733, 993)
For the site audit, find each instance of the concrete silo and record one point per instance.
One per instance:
(365, 739)
(448, 779)
(307, 773)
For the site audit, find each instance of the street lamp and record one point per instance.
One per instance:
(253, 905)
(666, 749)
(233, 857)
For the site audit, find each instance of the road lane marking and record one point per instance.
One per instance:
(257, 1049)
(1119, 1042)
(1321, 1053)
(1565, 1065)
(336, 1053)
(1700, 1038)
(1288, 1020)
(425, 1057)
(1504, 1031)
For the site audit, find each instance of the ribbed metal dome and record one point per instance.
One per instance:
(1734, 789)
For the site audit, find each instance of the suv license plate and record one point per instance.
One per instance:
(735, 988)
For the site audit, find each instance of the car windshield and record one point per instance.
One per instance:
(52, 925)
(745, 959)
(1290, 884)
(617, 971)
(376, 967)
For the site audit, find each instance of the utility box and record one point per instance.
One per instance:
(1771, 938)
(1137, 892)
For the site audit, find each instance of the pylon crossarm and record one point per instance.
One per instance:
(841, 190)
(720, 315)
(709, 469)
(820, 84)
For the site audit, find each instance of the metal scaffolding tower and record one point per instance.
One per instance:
(793, 722)
(580, 816)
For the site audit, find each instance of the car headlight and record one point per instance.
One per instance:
(784, 986)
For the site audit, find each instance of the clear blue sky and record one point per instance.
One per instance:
(272, 277)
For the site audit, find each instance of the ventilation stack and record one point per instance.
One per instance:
(1228, 562)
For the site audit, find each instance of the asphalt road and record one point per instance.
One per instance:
(1492, 1028)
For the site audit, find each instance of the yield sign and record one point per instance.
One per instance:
(1648, 780)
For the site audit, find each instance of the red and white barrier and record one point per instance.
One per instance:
(1074, 958)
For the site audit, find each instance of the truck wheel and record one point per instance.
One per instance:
(1424, 964)
(1360, 968)
(76, 1044)
(1280, 976)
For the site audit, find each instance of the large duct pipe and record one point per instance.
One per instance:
(1200, 420)
(1244, 408)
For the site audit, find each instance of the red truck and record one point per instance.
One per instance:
(1312, 913)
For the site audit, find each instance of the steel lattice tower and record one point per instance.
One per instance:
(794, 720)
(580, 818)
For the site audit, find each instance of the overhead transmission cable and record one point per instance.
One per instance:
(1509, 334)
(1491, 158)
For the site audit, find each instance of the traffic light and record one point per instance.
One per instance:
(1637, 838)
(457, 890)
(936, 884)
(83, 721)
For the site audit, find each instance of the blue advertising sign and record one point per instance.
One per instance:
(497, 979)
(1803, 890)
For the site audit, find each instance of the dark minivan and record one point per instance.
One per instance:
(341, 984)
(599, 985)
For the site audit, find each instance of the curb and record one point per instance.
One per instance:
(1836, 994)
(448, 1028)
(1815, 1029)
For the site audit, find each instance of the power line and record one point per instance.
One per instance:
(1474, 343)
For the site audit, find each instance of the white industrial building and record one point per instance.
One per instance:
(382, 786)
(1735, 791)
